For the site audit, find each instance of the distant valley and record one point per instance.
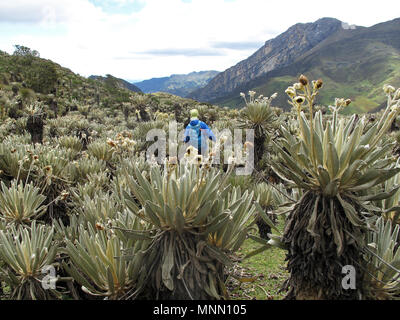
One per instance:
(177, 84)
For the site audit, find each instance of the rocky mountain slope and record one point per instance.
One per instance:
(276, 53)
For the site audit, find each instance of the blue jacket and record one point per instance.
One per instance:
(195, 133)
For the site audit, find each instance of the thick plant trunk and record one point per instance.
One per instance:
(263, 227)
(144, 116)
(54, 107)
(314, 263)
(34, 126)
(258, 150)
(191, 269)
(83, 135)
(32, 289)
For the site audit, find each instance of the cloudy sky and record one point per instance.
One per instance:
(141, 39)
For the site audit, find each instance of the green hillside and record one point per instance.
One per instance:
(26, 79)
(116, 82)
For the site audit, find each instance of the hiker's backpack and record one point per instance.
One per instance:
(196, 128)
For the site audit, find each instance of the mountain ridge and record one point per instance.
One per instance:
(275, 53)
(354, 63)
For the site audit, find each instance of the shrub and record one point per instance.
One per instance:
(196, 221)
(26, 253)
(21, 203)
(97, 264)
(334, 164)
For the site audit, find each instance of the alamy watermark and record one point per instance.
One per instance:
(50, 278)
(349, 280)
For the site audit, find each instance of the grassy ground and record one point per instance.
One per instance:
(259, 277)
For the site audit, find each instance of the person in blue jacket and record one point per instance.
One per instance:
(197, 132)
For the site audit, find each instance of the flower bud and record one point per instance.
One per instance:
(274, 95)
(397, 94)
(99, 226)
(64, 195)
(395, 108)
(388, 89)
(318, 84)
(299, 99)
(291, 92)
(111, 143)
(298, 86)
(199, 158)
(190, 151)
(339, 102)
(303, 80)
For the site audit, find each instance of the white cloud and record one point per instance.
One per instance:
(40, 11)
(163, 36)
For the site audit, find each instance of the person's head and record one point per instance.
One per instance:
(194, 114)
